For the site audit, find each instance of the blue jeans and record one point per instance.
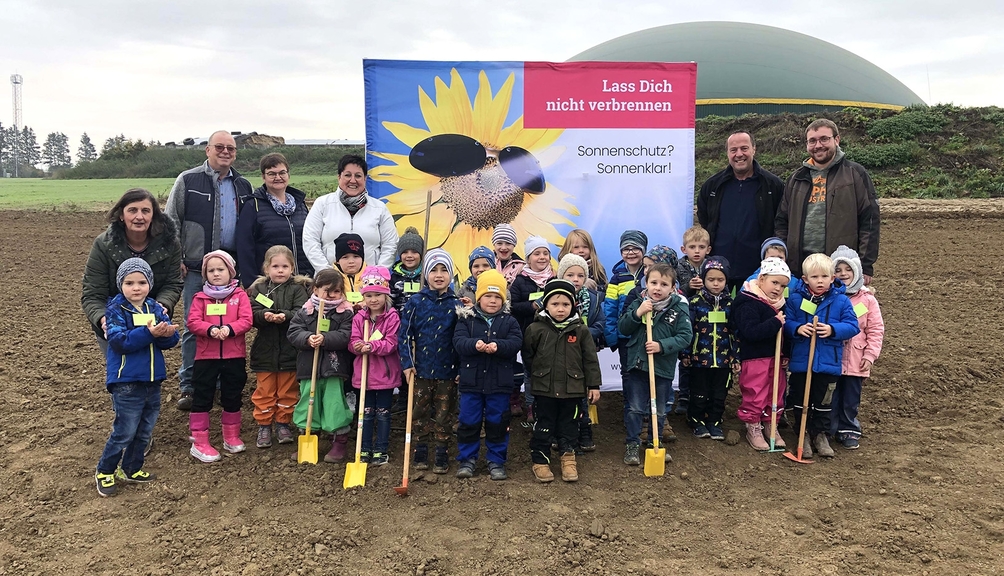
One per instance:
(378, 403)
(193, 285)
(636, 393)
(493, 411)
(136, 406)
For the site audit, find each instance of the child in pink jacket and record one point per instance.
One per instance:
(219, 318)
(860, 352)
(384, 370)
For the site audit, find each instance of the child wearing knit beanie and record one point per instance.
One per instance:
(481, 259)
(406, 273)
(487, 339)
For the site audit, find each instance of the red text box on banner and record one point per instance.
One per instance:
(609, 95)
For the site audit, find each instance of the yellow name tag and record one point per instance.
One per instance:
(860, 309)
(376, 335)
(324, 324)
(785, 293)
(808, 307)
(716, 317)
(144, 319)
(354, 297)
(264, 300)
(412, 287)
(536, 296)
(216, 310)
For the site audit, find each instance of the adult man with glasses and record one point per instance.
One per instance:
(827, 202)
(204, 204)
(737, 207)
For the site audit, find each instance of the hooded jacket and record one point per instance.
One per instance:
(271, 350)
(259, 227)
(110, 250)
(384, 370)
(238, 317)
(836, 310)
(134, 355)
(429, 320)
(670, 328)
(562, 362)
(713, 344)
(335, 359)
(483, 373)
(852, 214)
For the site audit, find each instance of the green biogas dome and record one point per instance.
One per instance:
(753, 68)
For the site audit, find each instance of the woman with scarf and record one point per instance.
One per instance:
(350, 209)
(274, 215)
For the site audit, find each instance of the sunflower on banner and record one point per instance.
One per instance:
(481, 173)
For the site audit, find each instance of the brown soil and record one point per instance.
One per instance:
(923, 495)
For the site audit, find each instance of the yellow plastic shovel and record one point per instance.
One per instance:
(355, 472)
(306, 446)
(594, 415)
(655, 457)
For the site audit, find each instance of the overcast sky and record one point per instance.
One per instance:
(164, 70)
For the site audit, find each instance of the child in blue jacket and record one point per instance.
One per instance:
(138, 330)
(487, 339)
(821, 296)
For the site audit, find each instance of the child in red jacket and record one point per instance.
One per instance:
(219, 318)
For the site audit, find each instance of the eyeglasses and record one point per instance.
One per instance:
(221, 148)
(824, 140)
(279, 174)
(631, 249)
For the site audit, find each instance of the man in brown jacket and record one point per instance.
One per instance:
(827, 202)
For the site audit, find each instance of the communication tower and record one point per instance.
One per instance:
(15, 83)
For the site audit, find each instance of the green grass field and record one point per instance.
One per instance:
(39, 194)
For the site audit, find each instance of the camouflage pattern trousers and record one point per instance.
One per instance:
(435, 410)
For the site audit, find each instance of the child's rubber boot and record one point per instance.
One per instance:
(442, 465)
(754, 435)
(198, 426)
(339, 449)
(543, 474)
(231, 424)
(569, 471)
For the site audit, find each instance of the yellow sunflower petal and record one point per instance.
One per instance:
(412, 200)
(540, 214)
(528, 139)
(490, 113)
(406, 134)
(401, 174)
(429, 112)
(462, 242)
(441, 224)
(454, 104)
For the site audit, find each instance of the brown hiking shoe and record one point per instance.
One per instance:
(543, 474)
(667, 433)
(822, 444)
(754, 435)
(569, 471)
(806, 447)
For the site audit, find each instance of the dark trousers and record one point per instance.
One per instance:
(435, 406)
(622, 355)
(820, 400)
(846, 400)
(555, 418)
(493, 411)
(708, 388)
(136, 406)
(231, 375)
(377, 411)
(685, 385)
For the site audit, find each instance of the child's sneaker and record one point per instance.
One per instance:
(465, 469)
(421, 461)
(701, 431)
(754, 435)
(264, 438)
(497, 471)
(137, 477)
(284, 434)
(850, 443)
(716, 433)
(365, 457)
(442, 465)
(379, 459)
(631, 457)
(105, 483)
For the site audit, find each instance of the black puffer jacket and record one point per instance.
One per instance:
(260, 227)
(336, 360)
(271, 350)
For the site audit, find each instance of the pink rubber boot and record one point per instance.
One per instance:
(202, 450)
(339, 449)
(231, 423)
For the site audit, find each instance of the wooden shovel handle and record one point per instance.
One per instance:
(651, 384)
(313, 369)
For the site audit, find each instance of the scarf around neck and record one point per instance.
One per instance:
(352, 203)
(539, 278)
(658, 305)
(563, 324)
(219, 292)
(329, 305)
(753, 288)
(584, 303)
(282, 208)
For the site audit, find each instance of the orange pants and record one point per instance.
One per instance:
(275, 397)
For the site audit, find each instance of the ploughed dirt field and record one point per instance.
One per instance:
(923, 495)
